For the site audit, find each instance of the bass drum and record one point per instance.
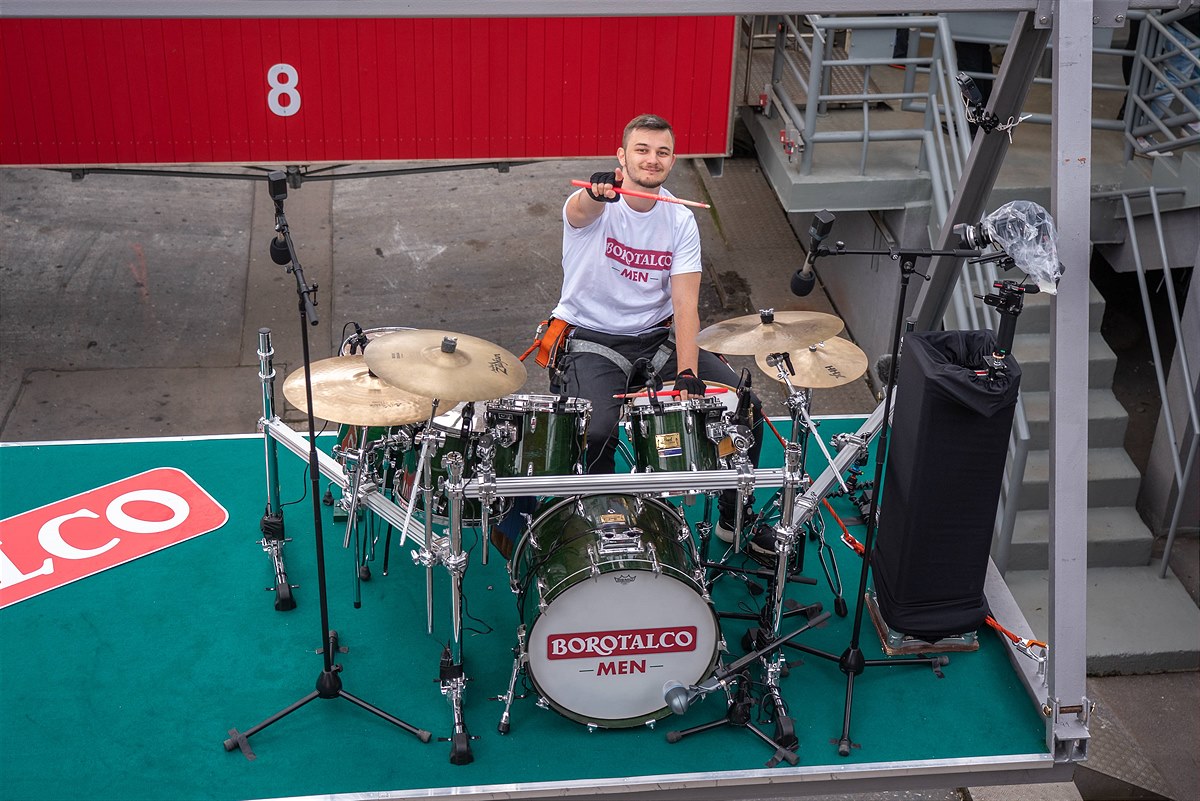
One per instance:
(610, 594)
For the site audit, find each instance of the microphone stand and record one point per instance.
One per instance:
(738, 711)
(852, 662)
(329, 682)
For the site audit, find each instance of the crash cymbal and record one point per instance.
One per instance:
(768, 332)
(344, 391)
(441, 364)
(823, 365)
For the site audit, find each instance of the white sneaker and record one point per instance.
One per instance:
(1148, 146)
(724, 534)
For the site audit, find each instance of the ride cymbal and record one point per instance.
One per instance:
(823, 365)
(768, 332)
(345, 391)
(441, 364)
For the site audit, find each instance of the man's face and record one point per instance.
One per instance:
(647, 157)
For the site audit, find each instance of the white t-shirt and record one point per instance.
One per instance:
(617, 271)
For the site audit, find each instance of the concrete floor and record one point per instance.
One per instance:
(130, 306)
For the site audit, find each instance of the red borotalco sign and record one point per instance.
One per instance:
(604, 644)
(80, 536)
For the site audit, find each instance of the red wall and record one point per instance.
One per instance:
(161, 91)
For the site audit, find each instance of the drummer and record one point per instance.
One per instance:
(631, 289)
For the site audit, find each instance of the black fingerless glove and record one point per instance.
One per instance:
(604, 178)
(686, 381)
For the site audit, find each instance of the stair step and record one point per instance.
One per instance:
(1116, 537)
(1107, 419)
(1136, 622)
(1033, 353)
(1037, 311)
(1113, 479)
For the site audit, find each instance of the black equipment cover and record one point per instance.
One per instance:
(945, 464)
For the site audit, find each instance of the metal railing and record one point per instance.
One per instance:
(945, 146)
(1155, 84)
(1182, 470)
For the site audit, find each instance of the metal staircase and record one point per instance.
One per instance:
(1137, 621)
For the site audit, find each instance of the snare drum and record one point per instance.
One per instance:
(539, 435)
(675, 434)
(450, 424)
(610, 594)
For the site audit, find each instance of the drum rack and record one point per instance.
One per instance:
(447, 550)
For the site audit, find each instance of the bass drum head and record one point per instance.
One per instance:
(616, 625)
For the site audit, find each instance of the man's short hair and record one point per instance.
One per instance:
(651, 122)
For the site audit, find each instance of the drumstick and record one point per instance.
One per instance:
(647, 195)
(670, 393)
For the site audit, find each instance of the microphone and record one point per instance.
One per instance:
(680, 696)
(677, 697)
(803, 281)
(743, 393)
(359, 345)
(279, 250)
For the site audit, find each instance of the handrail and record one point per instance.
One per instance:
(1182, 473)
(1157, 37)
(945, 146)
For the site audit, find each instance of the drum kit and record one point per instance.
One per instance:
(612, 583)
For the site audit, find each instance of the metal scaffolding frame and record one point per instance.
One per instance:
(1069, 24)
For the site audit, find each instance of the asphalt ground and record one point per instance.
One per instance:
(130, 307)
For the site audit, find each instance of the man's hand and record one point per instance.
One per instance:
(687, 385)
(603, 184)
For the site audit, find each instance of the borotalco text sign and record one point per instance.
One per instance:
(80, 536)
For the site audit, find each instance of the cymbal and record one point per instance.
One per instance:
(823, 365)
(441, 364)
(344, 391)
(768, 332)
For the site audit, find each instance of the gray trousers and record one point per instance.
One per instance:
(597, 378)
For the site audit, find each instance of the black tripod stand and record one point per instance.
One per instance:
(852, 662)
(741, 701)
(329, 683)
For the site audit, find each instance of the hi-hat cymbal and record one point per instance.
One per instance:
(445, 365)
(768, 332)
(344, 391)
(822, 365)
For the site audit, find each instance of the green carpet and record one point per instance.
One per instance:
(123, 685)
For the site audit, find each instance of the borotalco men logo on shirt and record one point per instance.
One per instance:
(80, 536)
(634, 264)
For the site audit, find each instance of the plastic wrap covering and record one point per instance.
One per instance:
(1026, 232)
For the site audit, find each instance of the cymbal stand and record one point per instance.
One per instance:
(425, 555)
(329, 682)
(452, 677)
(486, 473)
(356, 462)
(271, 523)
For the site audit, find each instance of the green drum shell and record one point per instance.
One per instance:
(472, 511)
(674, 437)
(549, 436)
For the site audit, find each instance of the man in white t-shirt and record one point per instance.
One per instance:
(631, 277)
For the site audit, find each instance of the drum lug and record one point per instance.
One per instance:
(591, 727)
(594, 560)
(542, 703)
(541, 588)
(655, 565)
(506, 434)
(650, 724)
